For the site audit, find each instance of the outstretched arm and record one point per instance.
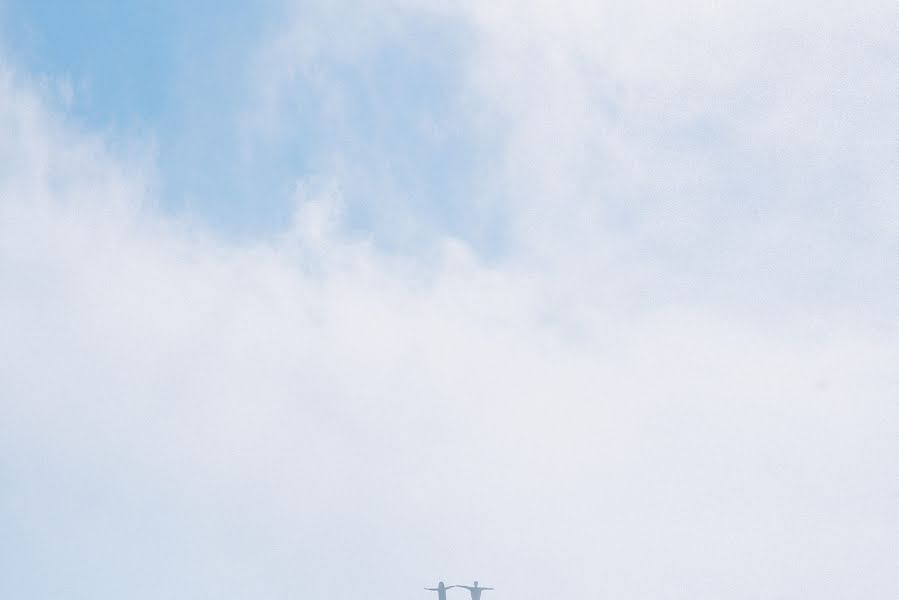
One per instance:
(431, 589)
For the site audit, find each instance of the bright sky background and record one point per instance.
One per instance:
(337, 300)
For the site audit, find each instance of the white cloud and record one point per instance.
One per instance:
(587, 415)
(722, 151)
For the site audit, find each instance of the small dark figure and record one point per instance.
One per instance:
(475, 590)
(441, 590)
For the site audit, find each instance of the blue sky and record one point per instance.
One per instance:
(169, 71)
(181, 76)
(322, 299)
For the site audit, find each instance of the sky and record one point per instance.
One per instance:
(327, 299)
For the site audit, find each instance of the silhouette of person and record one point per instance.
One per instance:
(441, 590)
(475, 590)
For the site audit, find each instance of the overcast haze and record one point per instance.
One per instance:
(338, 300)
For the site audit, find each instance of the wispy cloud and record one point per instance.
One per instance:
(672, 378)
